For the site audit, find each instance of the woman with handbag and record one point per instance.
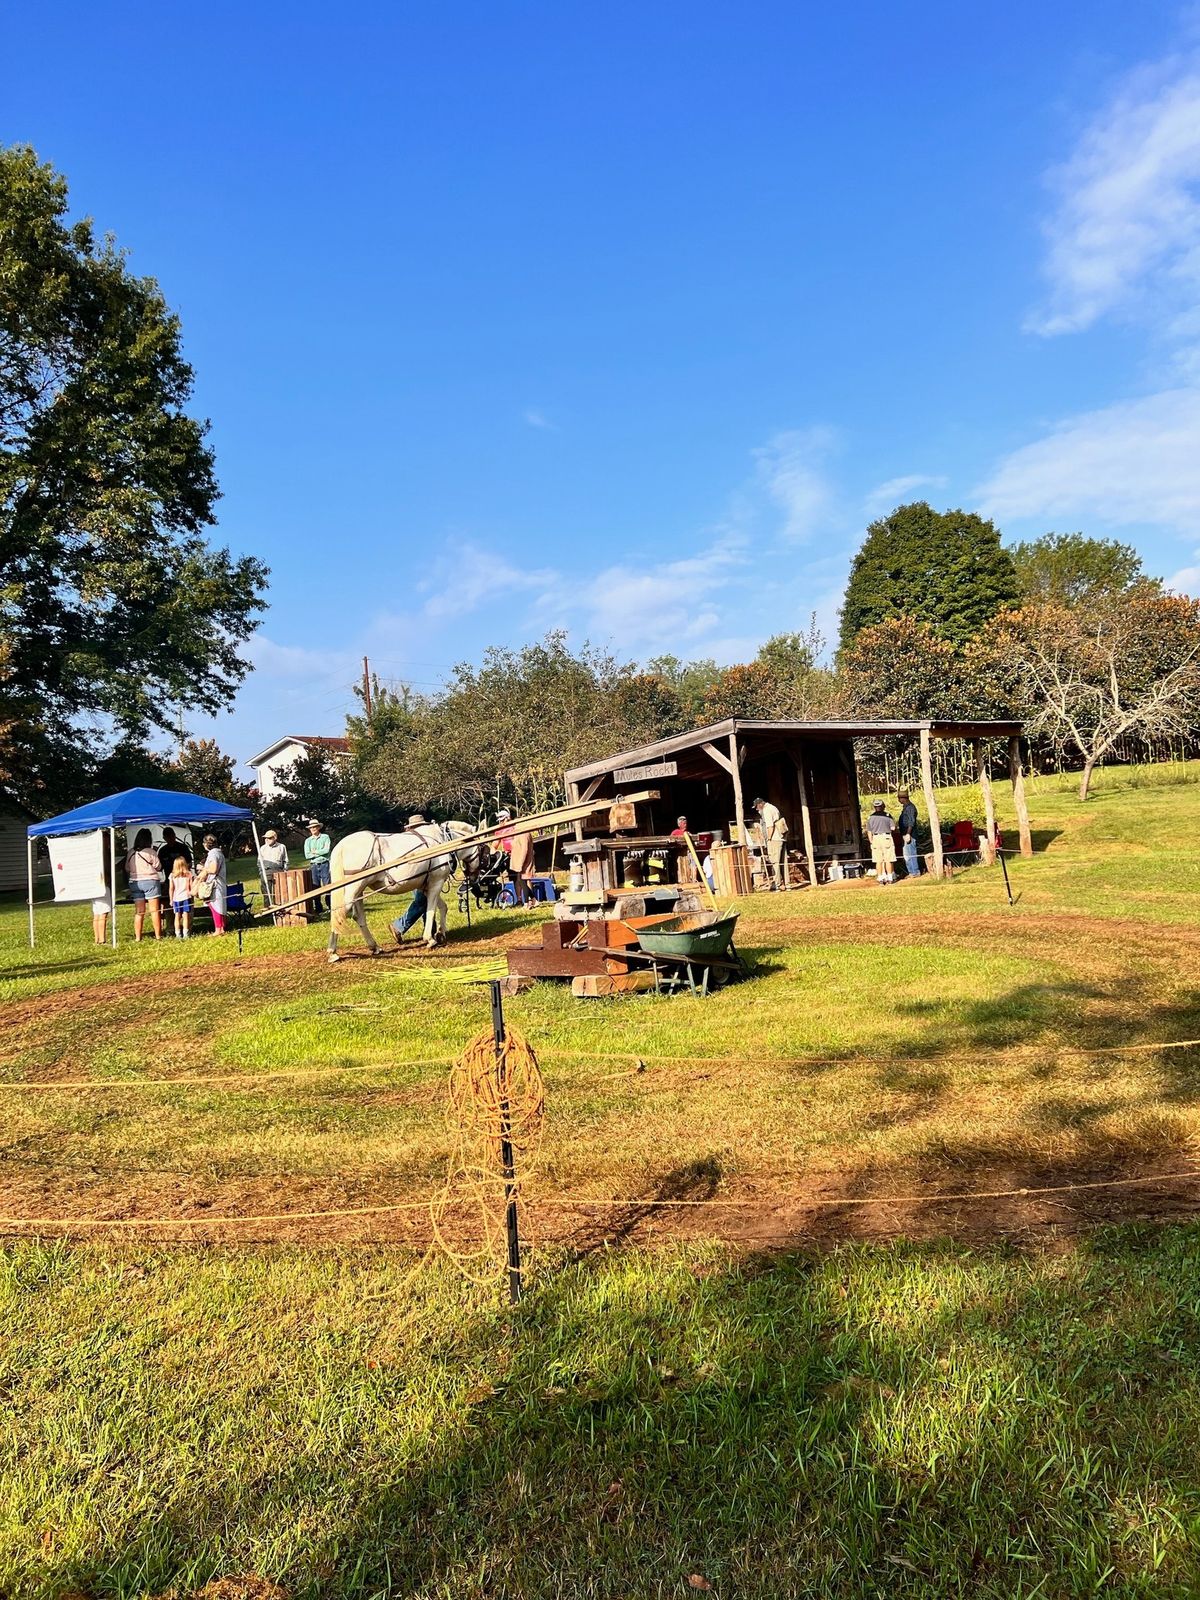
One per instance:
(210, 882)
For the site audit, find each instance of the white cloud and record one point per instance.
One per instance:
(298, 662)
(1134, 462)
(1126, 227)
(1186, 581)
(665, 605)
(538, 419)
(897, 490)
(470, 575)
(789, 469)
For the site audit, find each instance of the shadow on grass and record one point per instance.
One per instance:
(918, 1421)
(41, 969)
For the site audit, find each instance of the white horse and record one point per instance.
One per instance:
(358, 852)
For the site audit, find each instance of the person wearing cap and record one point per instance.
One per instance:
(317, 851)
(680, 828)
(272, 860)
(907, 824)
(880, 827)
(774, 835)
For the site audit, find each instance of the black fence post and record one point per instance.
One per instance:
(1004, 869)
(506, 1150)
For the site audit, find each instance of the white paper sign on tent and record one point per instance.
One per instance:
(77, 862)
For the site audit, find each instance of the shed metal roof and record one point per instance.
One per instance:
(877, 729)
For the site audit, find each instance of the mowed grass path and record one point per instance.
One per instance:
(1013, 1416)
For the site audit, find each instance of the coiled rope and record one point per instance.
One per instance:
(496, 1104)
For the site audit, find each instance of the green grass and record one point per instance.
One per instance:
(917, 1420)
(909, 1416)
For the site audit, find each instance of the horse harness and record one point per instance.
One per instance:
(377, 853)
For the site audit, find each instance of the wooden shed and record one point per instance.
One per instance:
(808, 769)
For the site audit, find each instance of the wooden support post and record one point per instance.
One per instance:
(985, 789)
(935, 822)
(722, 761)
(572, 799)
(805, 817)
(739, 808)
(1016, 769)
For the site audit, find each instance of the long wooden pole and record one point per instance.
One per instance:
(935, 822)
(708, 888)
(805, 819)
(531, 824)
(1016, 770)
(985, 789)
(739, 808)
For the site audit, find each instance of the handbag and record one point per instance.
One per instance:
(202, 889)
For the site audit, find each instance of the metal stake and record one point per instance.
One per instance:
(1004, 869)
(506, 1151)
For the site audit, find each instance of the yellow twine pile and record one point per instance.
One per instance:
(491, 1090)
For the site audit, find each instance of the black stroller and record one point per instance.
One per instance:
(489, 886)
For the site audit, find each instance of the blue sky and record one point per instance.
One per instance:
(628, 318)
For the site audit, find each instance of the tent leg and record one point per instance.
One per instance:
(32, 856)
(263, 875)
(112, 874)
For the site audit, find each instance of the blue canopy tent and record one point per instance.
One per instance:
(132, 808)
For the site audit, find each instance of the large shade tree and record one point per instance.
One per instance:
(115, 611)
(1127, 668)
(1072, 569)
(947, 569)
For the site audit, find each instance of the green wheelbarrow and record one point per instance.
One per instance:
(695, 951)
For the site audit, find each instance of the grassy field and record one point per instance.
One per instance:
(761, 1348)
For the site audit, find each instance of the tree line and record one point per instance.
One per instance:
(1065, 633)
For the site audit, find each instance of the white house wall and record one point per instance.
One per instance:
(271, 769)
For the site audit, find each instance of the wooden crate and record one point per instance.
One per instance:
(731, 871)
(535, 961)
(295, 881)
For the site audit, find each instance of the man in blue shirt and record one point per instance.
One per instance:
(907, 823)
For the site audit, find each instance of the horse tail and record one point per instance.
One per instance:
(337, 897)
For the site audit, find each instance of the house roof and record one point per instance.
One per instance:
(318, 741)
(877, 729)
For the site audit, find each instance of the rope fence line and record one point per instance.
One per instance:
(244, 1079)
(648, 1202)
(641, 1060)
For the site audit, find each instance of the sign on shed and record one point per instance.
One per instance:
(656, 769)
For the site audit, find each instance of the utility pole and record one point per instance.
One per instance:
(367, 687)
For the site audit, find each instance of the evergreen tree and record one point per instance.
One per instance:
(944, 568)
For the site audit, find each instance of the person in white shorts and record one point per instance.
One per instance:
(883, 847)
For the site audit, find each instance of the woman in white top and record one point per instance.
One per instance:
(213, 871)
(145, 883)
